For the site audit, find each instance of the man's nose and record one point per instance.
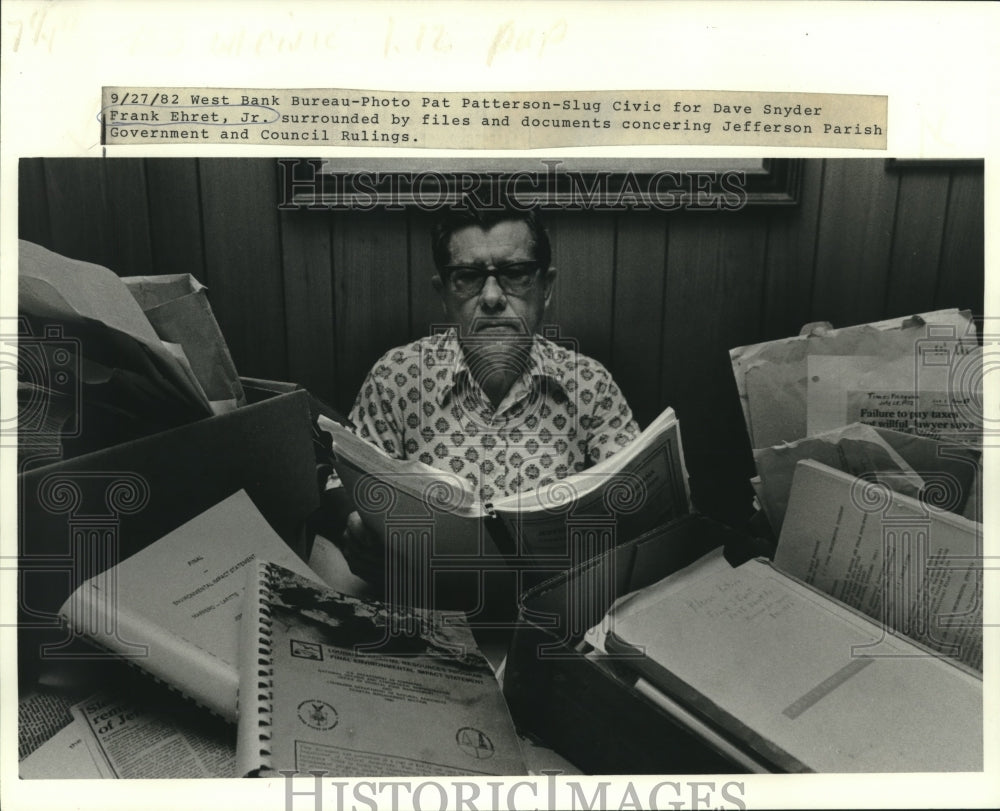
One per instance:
(492, 296)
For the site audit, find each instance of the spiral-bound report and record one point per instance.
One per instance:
(173, 608)
(349, 687)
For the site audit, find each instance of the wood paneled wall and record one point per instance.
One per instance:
(316, 297)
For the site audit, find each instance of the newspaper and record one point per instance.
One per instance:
(905, 394)
(129, 740)
(827, 378)
(40, 714)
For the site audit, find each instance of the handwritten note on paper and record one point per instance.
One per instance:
(741, 601)
(777, 666)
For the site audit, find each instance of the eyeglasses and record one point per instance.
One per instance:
(515, 278)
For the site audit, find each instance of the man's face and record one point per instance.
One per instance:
(494, 316)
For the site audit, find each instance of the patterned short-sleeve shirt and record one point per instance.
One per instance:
(563, 414)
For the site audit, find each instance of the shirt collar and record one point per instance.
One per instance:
(547, 360)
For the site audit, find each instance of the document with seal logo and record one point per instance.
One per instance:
(354, 687)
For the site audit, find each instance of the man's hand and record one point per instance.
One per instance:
(363, 551)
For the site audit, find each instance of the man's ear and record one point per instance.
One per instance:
(438, 286)
(548, 282)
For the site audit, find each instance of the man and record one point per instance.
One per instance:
(490, 400)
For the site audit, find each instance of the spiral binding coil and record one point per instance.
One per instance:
(265, 669)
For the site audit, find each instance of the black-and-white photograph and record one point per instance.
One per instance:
(692, 448)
